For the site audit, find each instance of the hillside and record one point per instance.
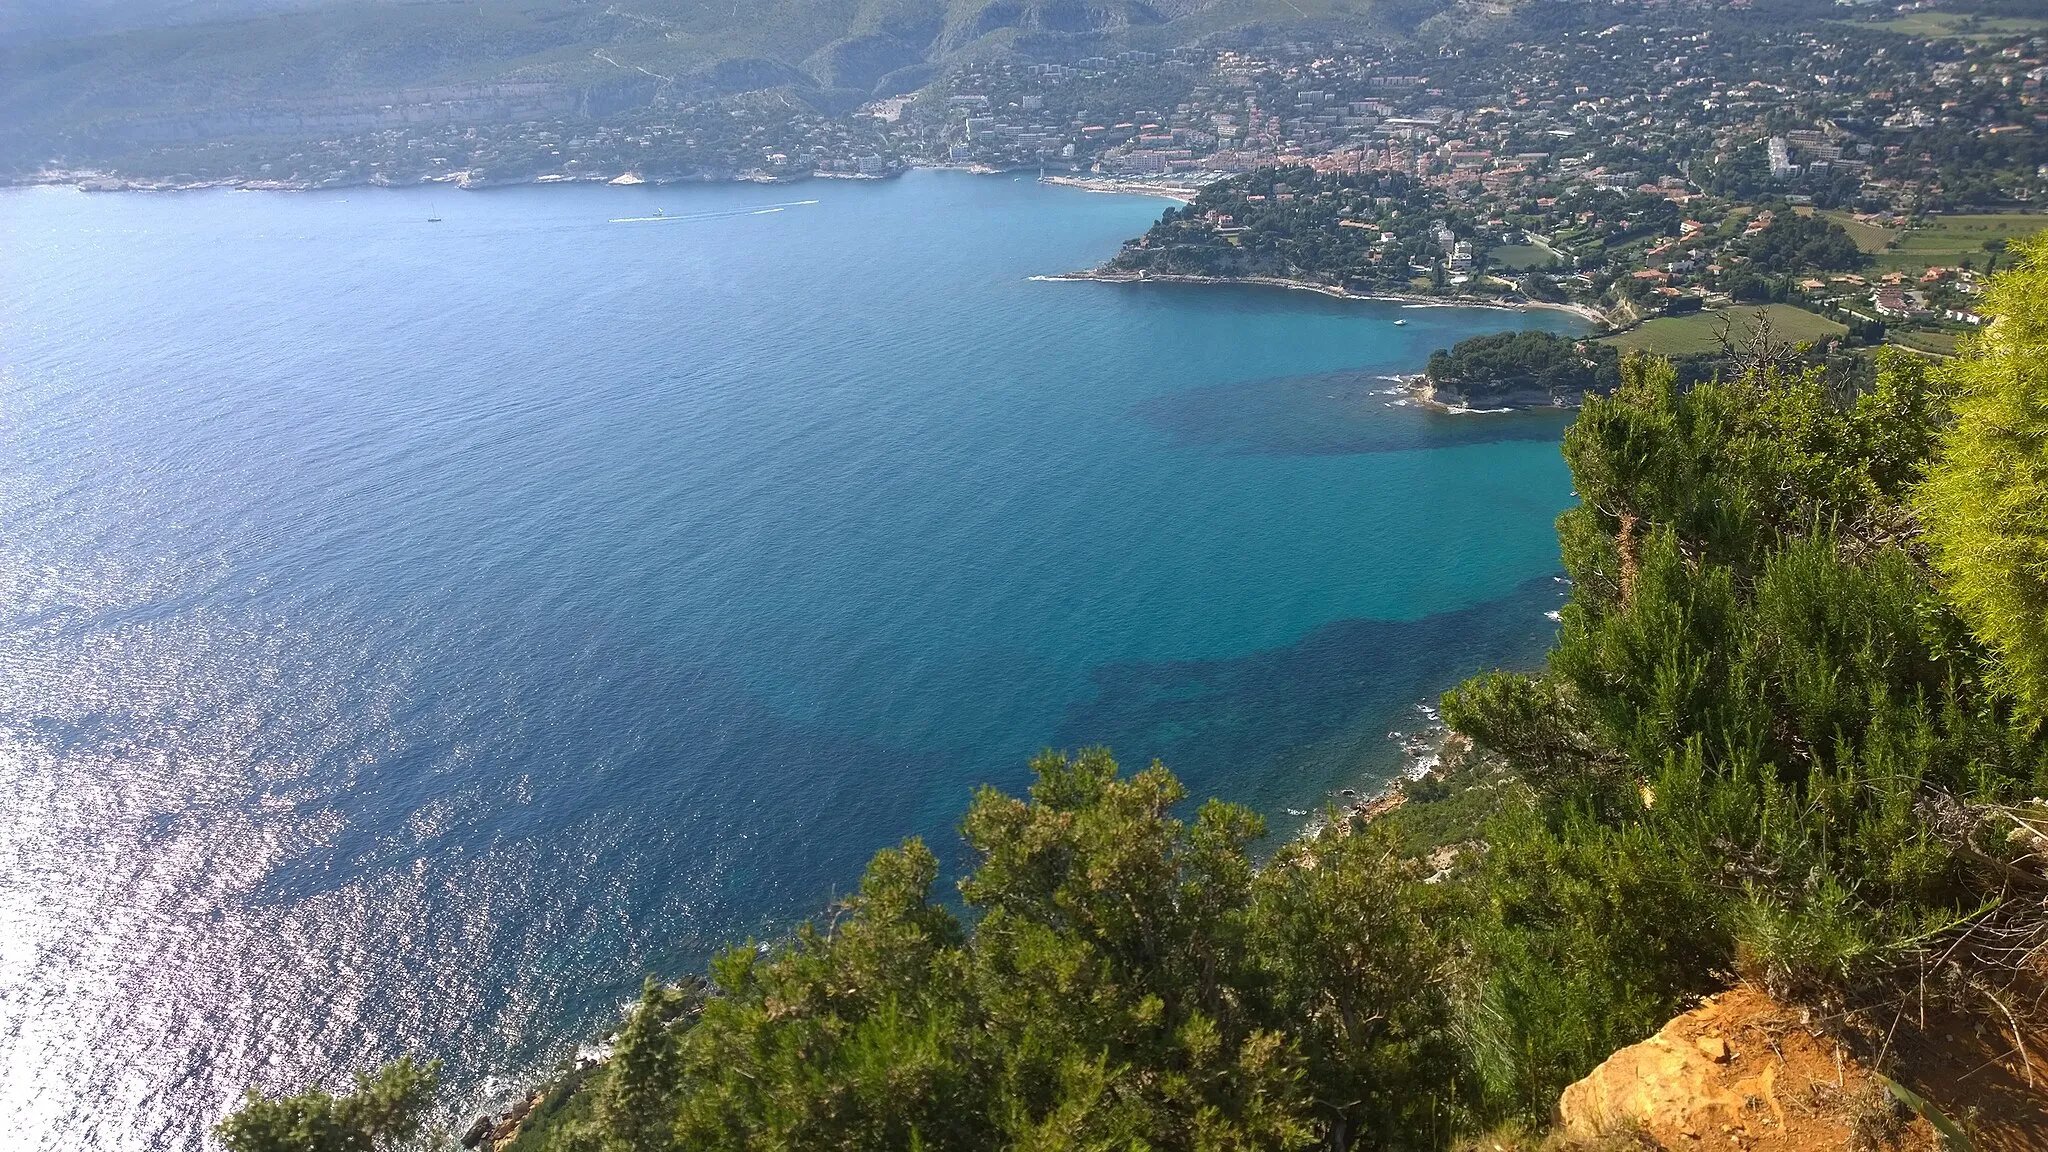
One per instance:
(287, 70)
(25, 21)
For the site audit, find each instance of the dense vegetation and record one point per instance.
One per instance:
(1381, 231)
(384, 1110)
(1285, 222)
(1518, 365)
(1798, 243)
(1986, 496)
(1791, 707)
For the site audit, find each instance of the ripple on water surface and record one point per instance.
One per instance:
(410, 634)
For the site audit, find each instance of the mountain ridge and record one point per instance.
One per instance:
(368, 51)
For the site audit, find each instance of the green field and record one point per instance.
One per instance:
(1935, 25)
(1521, 257)
(1924, 340)
(1683, 335)
(1868, 237)
(1949, 239)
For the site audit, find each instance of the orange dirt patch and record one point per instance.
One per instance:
(1742, 1071)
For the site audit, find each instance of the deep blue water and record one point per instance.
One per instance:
(410, 633)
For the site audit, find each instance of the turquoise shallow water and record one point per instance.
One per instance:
(410, 633)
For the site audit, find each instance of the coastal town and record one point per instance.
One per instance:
(1661, 165)
(1852, 181)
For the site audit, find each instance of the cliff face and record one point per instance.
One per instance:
(1747, 1071)
(1520, 370)
(1523, 394)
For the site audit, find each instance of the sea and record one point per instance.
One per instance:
(423, 613)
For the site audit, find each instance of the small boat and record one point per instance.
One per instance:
(1398, 323)
(433, 219)
(659, 212)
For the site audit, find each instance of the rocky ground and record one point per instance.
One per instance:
(1747, 1071)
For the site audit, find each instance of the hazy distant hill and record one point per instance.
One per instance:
(25, 20)
(198, 68)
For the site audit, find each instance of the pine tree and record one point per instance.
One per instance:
(385, 1110)
(1985, 500)
(638, 1107)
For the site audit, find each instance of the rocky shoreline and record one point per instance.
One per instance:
(1418, 386)
(1530, 400)
(1424, 752)
(1412, 299)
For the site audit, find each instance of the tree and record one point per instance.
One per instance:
(1795, 243)
(1506, 362)
(1756, 698)
(383, 1112)
(1746, 287)
(1540, 287)
(638, 1106)
(1985, 499)
(1349, 961)
(1131, 980)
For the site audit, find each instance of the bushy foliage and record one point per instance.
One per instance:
(637, 1104)
(1756, 693)
(1516, 361)
(1795, 243)
(1131, 980)
(385, 1110)
(1287, 225)
(1985, 504)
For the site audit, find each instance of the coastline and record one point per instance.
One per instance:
(97, 180)
(1428, 750)
(1423, 393)
(1131, 186)
(102, 180)
(961, 198)
(1417, 385)
(469, 180)
(1411, 299)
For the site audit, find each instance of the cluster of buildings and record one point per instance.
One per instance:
(1560, 147)
(1584, 146)
(1830, 113)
